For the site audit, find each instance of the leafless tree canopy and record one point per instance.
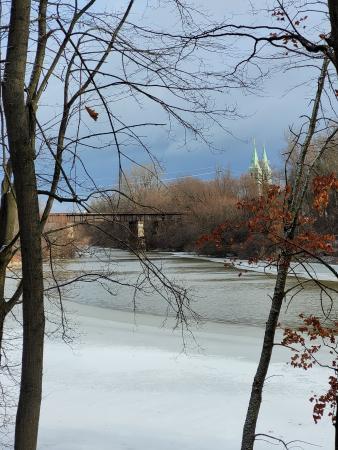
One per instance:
(74, 79)
(77, 79)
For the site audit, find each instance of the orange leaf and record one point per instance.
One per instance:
(93, 114)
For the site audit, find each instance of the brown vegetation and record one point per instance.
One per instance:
(205, 205)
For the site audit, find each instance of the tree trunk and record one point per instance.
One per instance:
(336, 425)
(20, 130)
(8, 211)
(333, 13)
(8, 217)
(3, 266)
(27, 419)
(249, 429)
(294, 206)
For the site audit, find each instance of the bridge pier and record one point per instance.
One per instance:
(70, 231)
(137, 237)
(155, 227)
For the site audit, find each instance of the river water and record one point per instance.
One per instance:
(217, 293)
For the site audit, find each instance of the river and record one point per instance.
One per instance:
(218, 293)
(126, 381)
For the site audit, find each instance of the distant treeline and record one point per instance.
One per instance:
(206, 205)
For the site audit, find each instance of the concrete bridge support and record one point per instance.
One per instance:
(137, 238)
(155, 227)
(70, 231)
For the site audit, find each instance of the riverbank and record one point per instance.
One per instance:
(127, 384)
(311, 269)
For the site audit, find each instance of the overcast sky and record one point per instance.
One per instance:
(283, 97)
(264, 115)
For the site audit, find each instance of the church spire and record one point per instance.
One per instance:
(264, 156)
(266, 169)
(255, 168)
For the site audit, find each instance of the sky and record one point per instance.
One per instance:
(266, 115)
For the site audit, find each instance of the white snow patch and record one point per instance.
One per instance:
(128, 386)
(316, 271)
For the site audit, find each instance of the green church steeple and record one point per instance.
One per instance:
(260, 170)
(266, 169)
(255, 168)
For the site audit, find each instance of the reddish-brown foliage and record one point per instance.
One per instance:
(93, 114)
(305, 344)
(321, 188)
(267, 217)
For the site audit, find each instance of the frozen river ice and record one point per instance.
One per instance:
(219, 294)
(129, 386)
(126, 383)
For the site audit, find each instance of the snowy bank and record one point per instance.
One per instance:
(310, 270)
(127, 385)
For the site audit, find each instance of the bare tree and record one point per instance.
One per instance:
(294, 34)
(94, 59)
